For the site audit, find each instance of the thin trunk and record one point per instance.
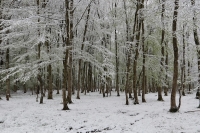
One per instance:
(128, 58)
(173, 107)
(116, 56)
(136, 30)
(8, 79)
(82, 47)
(183, 71)
(70, 36)
(39, 76)
(58, 82)
(49, 77)
(196, 40)
(188, 74)
(24, 87)
(64, 87)
(143, 66)
(162, 52)
(166, 76)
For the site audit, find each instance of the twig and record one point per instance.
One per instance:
(84, 13)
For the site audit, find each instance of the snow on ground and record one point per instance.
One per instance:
(93, 113)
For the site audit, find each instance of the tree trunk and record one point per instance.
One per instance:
(166, 76)
(144, 60)
(128, 63)
(49, 77)
(82, 47)
(183, 67)
(196, 39)
(65, 61)
(69, 11)
(173, 107)
(8, 79)
(136, 28)
(116, 56)
(162, 52)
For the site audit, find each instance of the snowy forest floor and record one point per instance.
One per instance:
(93, 113)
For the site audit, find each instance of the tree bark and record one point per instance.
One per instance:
(70, 36)
(183, 67)
(162, 52)
(82, 47)
(116, 56)
(173, 107)
(127, 87)
(8, 79)
(144, 61)
(196, 39)
(137, 28)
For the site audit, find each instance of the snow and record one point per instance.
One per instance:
(93, 113)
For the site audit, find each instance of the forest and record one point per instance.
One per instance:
(74, 47)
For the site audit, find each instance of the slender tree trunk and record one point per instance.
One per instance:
(70, 36)
(188, 70)
(1, 51)
(136, 28)
(49, 77)
(116, 56)
(58, 82)
(82, 47)
(183, 67)
(128, 63)
(8, 79)
(162, 52)
(65, 61)
(166, 76)
(144, 61)
(196, 38)
(173, 107)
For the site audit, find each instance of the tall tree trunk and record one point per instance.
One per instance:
(183, 64)
(82, 47)
(116, 55)
(166, 76)
(196, 38)
(65, 61)
(128, 63)
(8, 79)
(173, 107)
(70, 36)
(136, 28)
(39, 76)
(1, 51)
(49, 77)
(143, 66)
(162, 52)
(189, 67)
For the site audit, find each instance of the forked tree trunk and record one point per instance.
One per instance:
(173, 107)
